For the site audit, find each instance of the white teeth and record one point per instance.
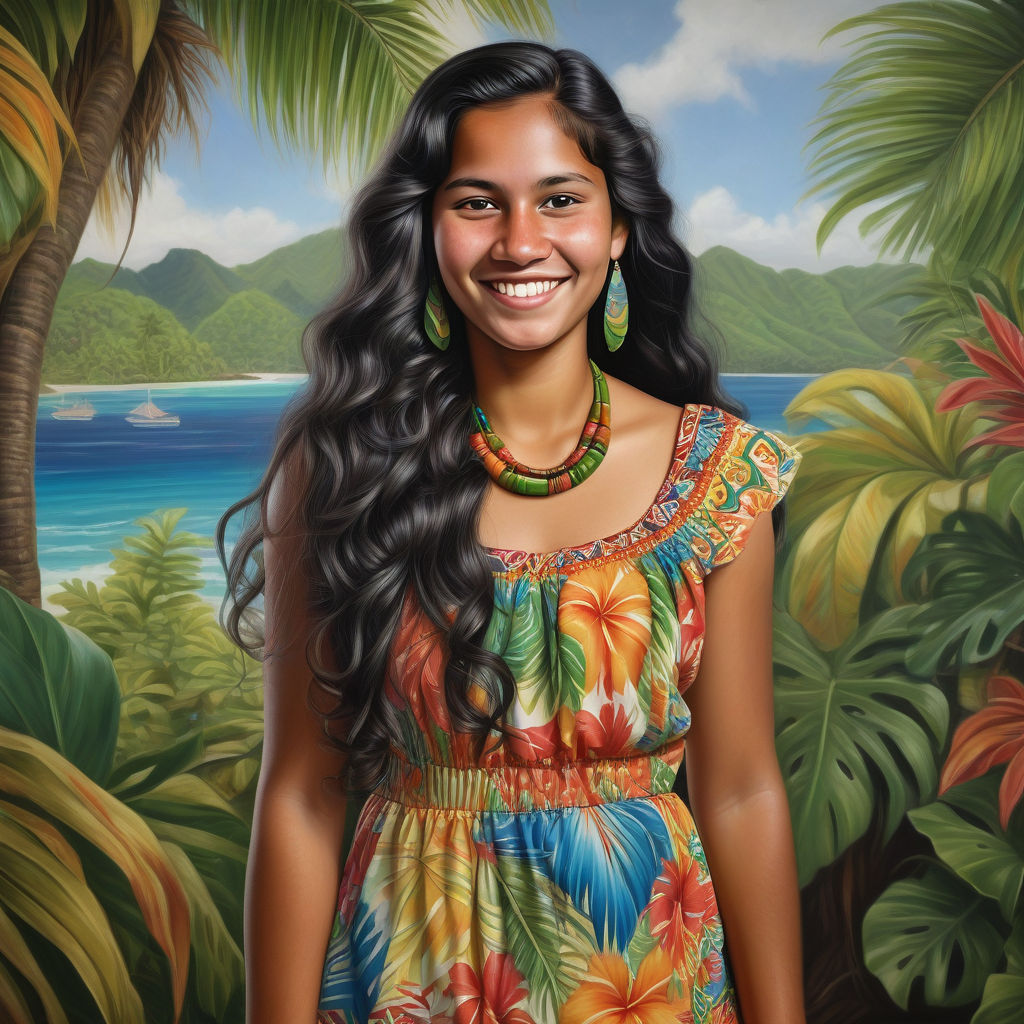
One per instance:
(522, 290)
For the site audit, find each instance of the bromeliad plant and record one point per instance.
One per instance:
(1000, 389)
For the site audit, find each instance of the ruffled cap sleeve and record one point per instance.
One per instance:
(746, 472)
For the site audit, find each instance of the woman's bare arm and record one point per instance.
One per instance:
(736, 790)
(293, 871)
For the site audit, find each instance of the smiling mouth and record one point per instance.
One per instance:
(522, 289)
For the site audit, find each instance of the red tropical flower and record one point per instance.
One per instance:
(1002, 387)
(681, 905)
(994, 735)
(606, 734)
(491, 999)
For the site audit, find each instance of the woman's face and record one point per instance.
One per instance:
(523, 227)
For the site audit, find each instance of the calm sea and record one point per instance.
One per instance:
(95, 478)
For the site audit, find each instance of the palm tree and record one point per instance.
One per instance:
(90, 90)
(925, 122)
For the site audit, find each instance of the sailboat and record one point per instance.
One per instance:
(81, 410)
(148, 415)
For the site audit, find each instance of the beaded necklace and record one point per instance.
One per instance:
(506, 470)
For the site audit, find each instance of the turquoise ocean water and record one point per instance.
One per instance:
(95, 478)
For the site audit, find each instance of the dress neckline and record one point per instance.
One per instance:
(686, 433)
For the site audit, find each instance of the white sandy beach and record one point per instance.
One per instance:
(252, 378)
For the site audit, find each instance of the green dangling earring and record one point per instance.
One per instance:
(616, 310)
(435, 317)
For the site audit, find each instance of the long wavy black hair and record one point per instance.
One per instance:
(393, 491)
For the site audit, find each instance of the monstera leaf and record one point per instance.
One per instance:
(853, 728)
(965, 831)
(57, 686)
(935, 931)
(973, 572)
(885, 474)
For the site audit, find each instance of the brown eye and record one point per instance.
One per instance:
(476, 205)
(561, 202)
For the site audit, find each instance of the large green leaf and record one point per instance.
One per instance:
(57, 686)
(1006, 490)
(217, 958)
(854, 730)
(984, 859)
(42, 888)
(937, 929)
(14, 951)
(972, 571)
(1001, 1001)
(885, 474)
(31, 772)
(925, 122)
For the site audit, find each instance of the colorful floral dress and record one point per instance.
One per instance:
(557, 877)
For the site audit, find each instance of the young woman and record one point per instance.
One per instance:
(505, 661)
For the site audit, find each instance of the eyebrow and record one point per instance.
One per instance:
(490, 186)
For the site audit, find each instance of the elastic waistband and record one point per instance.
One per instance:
(532, 787)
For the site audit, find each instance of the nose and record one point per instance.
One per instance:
(524, 238)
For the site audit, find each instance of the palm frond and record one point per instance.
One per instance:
(926, 119)
(334, 76)
(48, 30)
(34, 136)
(525, 16)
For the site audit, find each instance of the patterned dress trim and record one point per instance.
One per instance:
(708, 440)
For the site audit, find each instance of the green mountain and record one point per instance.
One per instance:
(254, 332)
(303, 276)
(187, 282)
(792, 321)
(250, 317)
(87, 277)
(190, 284)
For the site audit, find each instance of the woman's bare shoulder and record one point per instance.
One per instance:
(640, 415)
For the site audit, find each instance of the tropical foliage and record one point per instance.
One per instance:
(885, 475)
(909, 511)
(129, 739)
(922, 128)
(904, 578)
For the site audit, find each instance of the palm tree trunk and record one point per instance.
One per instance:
(26, 310)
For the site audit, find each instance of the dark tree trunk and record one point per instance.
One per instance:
(26, 310)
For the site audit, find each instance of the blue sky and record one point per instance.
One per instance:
(730, 87)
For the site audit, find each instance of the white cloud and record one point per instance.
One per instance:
(787, 240)
(166, 221)
(718, 39)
